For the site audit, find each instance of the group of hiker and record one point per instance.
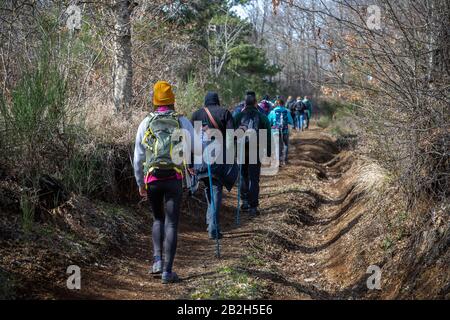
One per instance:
(301, 110)
(160, 178)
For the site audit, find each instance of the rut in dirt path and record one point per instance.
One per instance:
(314, 229)
(313, 206)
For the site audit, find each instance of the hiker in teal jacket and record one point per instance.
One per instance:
(280, 118)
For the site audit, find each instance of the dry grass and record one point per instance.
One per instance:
(106, 125)
(371, 179)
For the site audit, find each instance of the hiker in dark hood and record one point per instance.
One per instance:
(213, 116)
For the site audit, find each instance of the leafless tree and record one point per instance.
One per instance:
(397, 74)
(222, 38)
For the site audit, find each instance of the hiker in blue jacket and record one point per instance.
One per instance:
(280, 118)
(238, 108)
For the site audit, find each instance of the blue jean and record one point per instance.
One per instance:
(293, 115)
(250, 184)
(212, 217)
(299, 121)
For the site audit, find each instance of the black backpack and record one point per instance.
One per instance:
(250, 120)
(291, 105)
(299, 107)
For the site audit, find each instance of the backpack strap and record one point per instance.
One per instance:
(211, 118)
(148, 130)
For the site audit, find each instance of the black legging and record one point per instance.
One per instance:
(166, 193)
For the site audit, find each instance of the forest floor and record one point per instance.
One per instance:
(315, 238)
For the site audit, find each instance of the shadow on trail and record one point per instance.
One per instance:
(325, 143)
(355, 291)
(292, 246)
(318, 197)
(306, 218)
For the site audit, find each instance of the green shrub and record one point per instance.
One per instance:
(335, 115)
(324, 122)
(45, 136)
(36, 119)
(39, 127)
(189, 96)
(230, 283)
(27, 206)
(83, 173)
(332, 108)
(232, 88)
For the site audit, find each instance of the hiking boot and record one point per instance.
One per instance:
(253, 212)
(157, 267)
(169, 277)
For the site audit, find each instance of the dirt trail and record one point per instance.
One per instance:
(297, 248)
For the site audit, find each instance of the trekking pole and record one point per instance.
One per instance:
(189, 185)
(213, 205)
(238, 208)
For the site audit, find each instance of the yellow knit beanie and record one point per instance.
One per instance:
(162, 94)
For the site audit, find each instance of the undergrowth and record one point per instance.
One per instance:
(229, 283)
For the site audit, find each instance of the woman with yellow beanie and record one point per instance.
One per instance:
(158, 178)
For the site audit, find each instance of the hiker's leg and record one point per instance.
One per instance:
(213, 216)
(295, 121)
(253, 189)
(156, 199)
(244, 182)
(280, 146)
(286, 146)
(172, 198)
(217, 190)
(307, 120)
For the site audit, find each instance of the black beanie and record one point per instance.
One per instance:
(212, 99)
(250, 100)
(251, 93)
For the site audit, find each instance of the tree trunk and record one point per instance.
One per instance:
(440, 45)
(123, 69)
(316, 53)
(263, 25)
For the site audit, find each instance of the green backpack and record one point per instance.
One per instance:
(158, 142)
